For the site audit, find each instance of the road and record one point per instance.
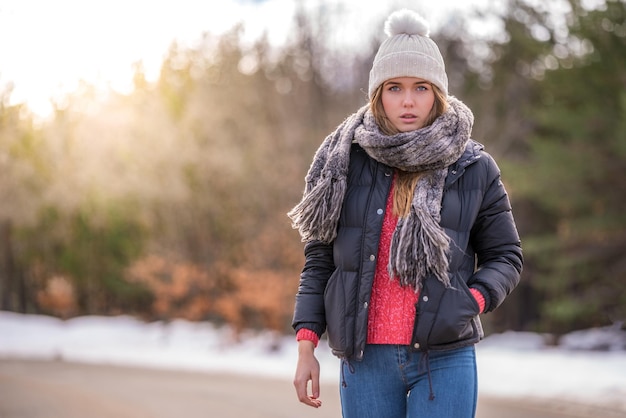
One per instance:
(37, 389)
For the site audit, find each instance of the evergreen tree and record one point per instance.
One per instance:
(573, 181)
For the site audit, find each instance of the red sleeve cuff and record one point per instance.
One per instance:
(480, 299)
(307, 334)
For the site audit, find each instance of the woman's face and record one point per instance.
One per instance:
(407, 102)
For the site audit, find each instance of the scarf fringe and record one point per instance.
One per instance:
(317, 221)
(427, 246)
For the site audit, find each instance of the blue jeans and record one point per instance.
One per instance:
(393, 382)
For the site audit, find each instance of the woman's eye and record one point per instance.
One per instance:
(421, 88)
(394, 88)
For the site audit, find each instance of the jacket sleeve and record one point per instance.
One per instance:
(495, 241)
(309, 309)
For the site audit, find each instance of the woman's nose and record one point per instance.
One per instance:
(407, 99)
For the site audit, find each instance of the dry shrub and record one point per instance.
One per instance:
(241, 297)
(262, 299)
(179, 288)
(57, 297)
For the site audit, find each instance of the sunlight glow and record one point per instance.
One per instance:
(48, 47)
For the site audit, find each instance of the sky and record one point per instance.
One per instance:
(510, 365)
(47, 47)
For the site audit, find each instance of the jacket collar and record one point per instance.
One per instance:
(470, 155)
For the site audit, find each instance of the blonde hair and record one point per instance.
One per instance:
(405, 181)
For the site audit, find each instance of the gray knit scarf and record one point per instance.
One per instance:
(419, 246)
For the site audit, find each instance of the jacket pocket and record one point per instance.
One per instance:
(454, 320)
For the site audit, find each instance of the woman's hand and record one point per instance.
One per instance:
(308, 369)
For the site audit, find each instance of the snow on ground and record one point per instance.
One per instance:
(511, 365)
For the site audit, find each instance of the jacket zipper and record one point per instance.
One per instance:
(359, 350)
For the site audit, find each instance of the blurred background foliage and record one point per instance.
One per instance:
(170, 201)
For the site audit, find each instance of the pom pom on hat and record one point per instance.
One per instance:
(407, 22)
(408, 52)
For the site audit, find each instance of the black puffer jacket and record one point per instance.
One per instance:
(485, 253)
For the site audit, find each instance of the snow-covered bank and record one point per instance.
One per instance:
(512, 365)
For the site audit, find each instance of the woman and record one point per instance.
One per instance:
(409, 237)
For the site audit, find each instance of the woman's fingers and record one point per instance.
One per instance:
(308, 370)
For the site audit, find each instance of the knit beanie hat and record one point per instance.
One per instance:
(408, 52)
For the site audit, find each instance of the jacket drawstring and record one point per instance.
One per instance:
(426, 359)
(345, 362)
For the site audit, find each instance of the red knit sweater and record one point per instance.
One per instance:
(392, 307)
